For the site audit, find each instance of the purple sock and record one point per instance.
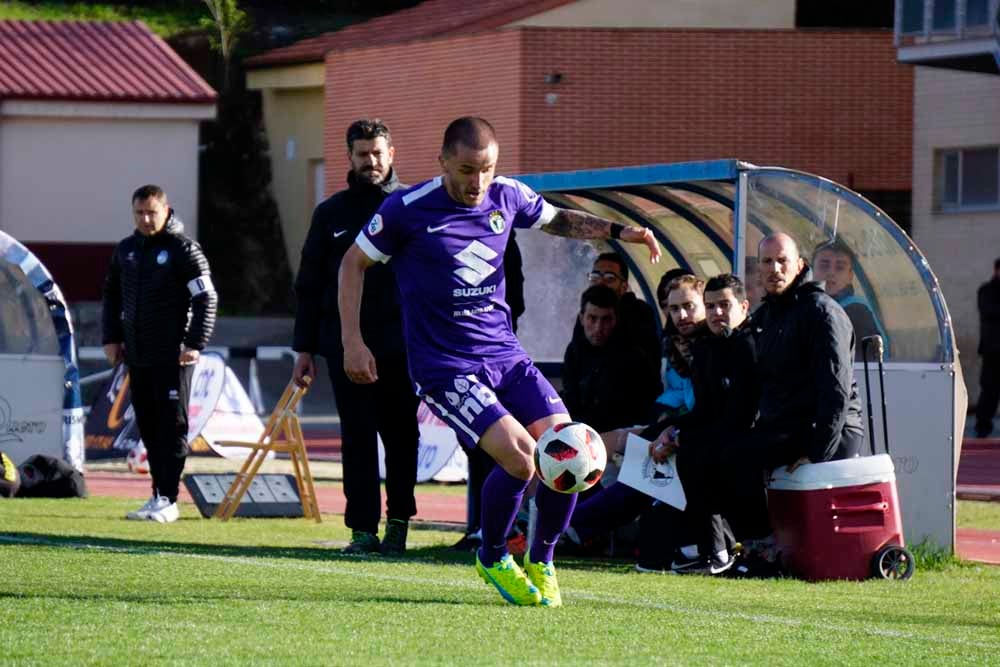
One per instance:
(502, 495)
(554, 512)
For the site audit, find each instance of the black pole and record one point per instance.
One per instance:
(868, 393)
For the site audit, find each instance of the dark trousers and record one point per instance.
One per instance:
(739, 465)
(160, 400)
(989, 393)
(480, 466)
(387, 408)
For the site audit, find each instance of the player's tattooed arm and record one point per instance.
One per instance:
(580, 225)
(577, 225)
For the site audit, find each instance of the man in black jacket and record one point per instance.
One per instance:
(727, 390)
(159, 312)
(608, 382)
(988, 299)
(809, 406)
(388, 406)
(636, 319)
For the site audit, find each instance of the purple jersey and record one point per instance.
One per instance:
(448, 260)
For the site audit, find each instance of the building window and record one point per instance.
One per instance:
(943, 16)
(913, 17)
(968, 179)
(977, 12)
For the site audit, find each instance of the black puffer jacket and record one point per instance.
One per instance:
(611, 386)
(157, 295)
(336, 222)
(805, 355)
(726, 385)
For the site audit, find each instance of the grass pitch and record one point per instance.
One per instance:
(82, 586)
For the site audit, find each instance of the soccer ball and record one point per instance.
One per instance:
(570, 457)
(137, 460)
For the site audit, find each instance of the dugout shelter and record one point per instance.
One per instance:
(40, 410)
(709, 218)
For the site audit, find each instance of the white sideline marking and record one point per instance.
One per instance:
(584, 595)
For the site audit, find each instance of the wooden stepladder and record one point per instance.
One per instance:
(282, 434)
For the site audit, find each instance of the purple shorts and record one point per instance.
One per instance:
(473, 402)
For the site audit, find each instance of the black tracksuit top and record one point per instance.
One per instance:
(153, 300)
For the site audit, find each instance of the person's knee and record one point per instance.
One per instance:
(519, 465)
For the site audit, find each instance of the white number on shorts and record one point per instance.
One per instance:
(484, 394)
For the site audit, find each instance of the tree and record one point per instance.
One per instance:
(240, 230)
(230, 22)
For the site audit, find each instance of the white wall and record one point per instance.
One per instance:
(955, 110)
(668, 14)
(66, 171)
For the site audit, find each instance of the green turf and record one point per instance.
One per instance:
(79, 585)
(979, 515)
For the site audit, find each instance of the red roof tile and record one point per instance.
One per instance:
(432, 18)
(94, 61)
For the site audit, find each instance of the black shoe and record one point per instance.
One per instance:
(754, 567)
(710, 566)
(362, 543)
(468, 543)
(682, 563)
(394, 539)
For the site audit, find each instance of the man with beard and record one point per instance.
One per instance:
(388, 406)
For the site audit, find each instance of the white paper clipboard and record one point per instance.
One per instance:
(656, 480)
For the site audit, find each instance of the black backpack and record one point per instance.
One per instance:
(49, 477)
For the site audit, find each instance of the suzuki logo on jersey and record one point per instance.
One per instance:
(476, 258)
(496, 222)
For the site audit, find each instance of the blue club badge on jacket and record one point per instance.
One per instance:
(162, 257)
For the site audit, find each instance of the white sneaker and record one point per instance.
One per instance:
(164, 511)
(142, 514)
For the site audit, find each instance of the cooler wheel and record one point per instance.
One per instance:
(893, 562)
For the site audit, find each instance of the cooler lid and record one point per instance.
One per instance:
(835, 474)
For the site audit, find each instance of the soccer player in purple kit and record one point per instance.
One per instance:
(446, 238)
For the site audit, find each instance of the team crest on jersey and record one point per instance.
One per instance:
(375, 225)
(162, 257)
(497, 223)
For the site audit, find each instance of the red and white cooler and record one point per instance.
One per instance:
(839, 520)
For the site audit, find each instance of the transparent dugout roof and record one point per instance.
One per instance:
(710, 216)
(26, 325)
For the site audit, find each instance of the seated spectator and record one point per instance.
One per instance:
(833, 264)
(618, 504)
(636, 319)
(682, 305)
(608, 382)
(678, 396)
(809, 409)
(724, 375)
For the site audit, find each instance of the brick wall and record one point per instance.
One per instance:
(834, 103)
(417, 89)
